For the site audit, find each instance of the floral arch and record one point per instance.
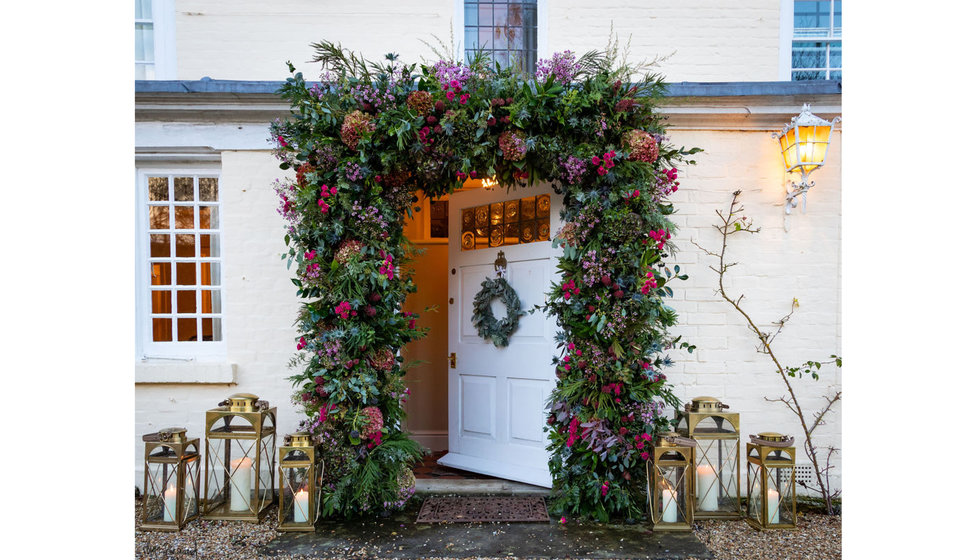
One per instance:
(364, 139)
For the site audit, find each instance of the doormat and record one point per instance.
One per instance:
(481, 509)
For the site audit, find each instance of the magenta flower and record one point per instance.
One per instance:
(450, 95)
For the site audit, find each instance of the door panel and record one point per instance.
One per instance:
(497, 395)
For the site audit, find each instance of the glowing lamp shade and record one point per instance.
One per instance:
(804, 142)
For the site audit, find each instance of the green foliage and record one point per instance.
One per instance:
(495, 330)
(368, 136)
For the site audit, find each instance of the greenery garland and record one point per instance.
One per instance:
(489, 327)
(364, 138)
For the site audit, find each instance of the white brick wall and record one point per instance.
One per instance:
(774, 267)
(706, 40)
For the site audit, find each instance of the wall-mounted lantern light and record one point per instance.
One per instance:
(803, 143)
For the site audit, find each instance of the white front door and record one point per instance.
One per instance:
(497, 395)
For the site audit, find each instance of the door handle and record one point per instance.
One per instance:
(452, 360)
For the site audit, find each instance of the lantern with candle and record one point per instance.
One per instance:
(240, 439)
(170, 479)
(716, 457)
(299, 483)
(670, 484)
(771, 478)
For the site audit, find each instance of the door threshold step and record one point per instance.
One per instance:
(476, 486)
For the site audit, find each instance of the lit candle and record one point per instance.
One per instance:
(241, 484)
(170, 504)
(670, 506)
(301, 507)
(772, 500)
(707, 499)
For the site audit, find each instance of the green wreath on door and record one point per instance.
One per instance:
(489, 327)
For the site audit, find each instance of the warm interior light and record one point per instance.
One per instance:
(490, 182)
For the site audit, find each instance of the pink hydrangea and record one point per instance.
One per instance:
(373, 420)
(356, 125)
(511, 142)
(642, 146)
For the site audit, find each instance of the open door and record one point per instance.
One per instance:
(497, 395)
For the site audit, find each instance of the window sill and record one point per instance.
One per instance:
(164, 371)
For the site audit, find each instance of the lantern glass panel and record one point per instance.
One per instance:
(779, 495)
(716, 475)
(790, 155)
(755, 493)
(160, 503)
(192, 470)
(296, 501)
(671, 496)
(231, 474)
(268, 447)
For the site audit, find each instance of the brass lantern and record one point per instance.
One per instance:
(240, 440)
(803, 144)
(299, 483)
(670, 486)
(716, 457)
(172, 465)
(772, 481)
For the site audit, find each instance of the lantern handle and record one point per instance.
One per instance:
(681, 441)
(786, 442)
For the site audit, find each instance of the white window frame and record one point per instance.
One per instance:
(146, 348)
(164, 40)
(786, 38)
(459, 30)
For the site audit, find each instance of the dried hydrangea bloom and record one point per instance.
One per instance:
(373, 420)
(420, 102)
(642, 146)
(511, 142)
(348, 251)
(383, 359)
(356, 125)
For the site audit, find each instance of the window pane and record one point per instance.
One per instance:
(144, 42)
(159, 217)
(187, 329)
(209, 246)
(184, 189)
(210, 274)
(158, 189)
(835, 75)
(809, 55)
(208, 217)
(160, 301)
(500, 37)
(837, 16)
(210, 301)
(144, 9)
(185, 274)
(160, 274)
(185, 246)
(486, 37)
(811, 19)
(486, 14)
(162, 330)
(209, 189)
(835, 55)
(809, 75)
(184, 217)
(211, 329)
(160, 245)
(186, 301)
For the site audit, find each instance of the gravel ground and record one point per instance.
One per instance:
(818, 538)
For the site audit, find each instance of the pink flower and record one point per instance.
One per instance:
(563, 520)
(323, 413)
(302, 343)
(463, 98)
(645, 456)
(282, 141)
(450, 95)
(595, 160)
